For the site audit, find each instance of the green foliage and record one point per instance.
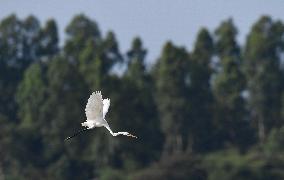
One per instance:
(15, 56)
(96, 61)
(184, 110)
(49, 39)
(200, 95)
(111, 174)
(62, 113)
(229, 84)
(30, 96)
(275, 142)
(171, 97)
(136, 63)
(262, 60)
(79, 31)
(135, 108)
(90, 66)
(177, 167)
(110, 52)
(230, 164)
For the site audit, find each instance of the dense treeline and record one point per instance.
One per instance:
(213, 113)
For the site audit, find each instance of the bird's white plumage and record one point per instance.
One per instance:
(106, 103)
(96, 110)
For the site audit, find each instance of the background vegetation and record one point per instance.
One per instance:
(216, 112)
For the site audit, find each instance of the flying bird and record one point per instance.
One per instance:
(96, 110)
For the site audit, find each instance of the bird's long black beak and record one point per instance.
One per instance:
(77, 133)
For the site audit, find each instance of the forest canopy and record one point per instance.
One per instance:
(215, 112)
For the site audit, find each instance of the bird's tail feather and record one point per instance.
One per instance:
(77, 133)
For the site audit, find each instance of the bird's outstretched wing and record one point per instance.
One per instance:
(94, 107)
(106, 103)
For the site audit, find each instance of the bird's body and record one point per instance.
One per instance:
(96, 110)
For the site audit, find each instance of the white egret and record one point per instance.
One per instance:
(96, 110)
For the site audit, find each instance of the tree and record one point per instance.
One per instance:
(10, 31)
(96, 62)
(170, 81)
(90, 66)
(94, 55)
(30, 97)
(136, 65)
(229, 84)
(274, 146)
(48, 40)
(110, 52)
(23, 92)
(9, 162)
(80, 31)
(18, 50)
(30, 41)
(62, 114)
(262, 60)
(135, 108)
(95, 59)
(200, 94)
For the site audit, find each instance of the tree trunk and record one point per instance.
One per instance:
(261, 130)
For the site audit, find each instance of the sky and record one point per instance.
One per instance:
(155, 21)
